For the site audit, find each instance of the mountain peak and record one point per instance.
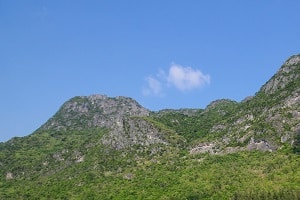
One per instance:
(220, 103)
(94, 111)
(287, 74)
(293, 60)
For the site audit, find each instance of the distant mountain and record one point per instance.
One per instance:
(99, 147)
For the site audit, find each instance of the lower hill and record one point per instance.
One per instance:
(99, 147)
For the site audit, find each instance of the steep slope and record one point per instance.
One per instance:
(122, 116)
(287, 74)
(81, 127)
(268, 121)
(93, 111)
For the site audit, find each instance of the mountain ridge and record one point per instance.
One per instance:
(258, 124)
(237, 122)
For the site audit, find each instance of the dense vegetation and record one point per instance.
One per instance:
(173, 175)
(45, 166)
(197, 126)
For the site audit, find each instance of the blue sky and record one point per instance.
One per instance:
(164, 54)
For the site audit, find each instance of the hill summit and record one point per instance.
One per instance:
(94, 111)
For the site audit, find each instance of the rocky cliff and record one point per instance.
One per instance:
(94, 111)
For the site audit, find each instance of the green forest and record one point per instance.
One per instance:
(172, 175)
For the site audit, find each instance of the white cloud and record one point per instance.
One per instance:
(154, 87)
(182, 78)
(186, 78)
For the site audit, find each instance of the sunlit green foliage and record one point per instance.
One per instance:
(198, 125)
(244, 175)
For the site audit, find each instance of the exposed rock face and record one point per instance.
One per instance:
(9, 176)
(121, 115)
(265, 121)
(294, 60)
(261, 145)
(94, 111)
(133, 131)
(284, 76)
(204, 148)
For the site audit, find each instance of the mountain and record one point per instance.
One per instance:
(267, 121)
(123, 117)
(100, 147)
